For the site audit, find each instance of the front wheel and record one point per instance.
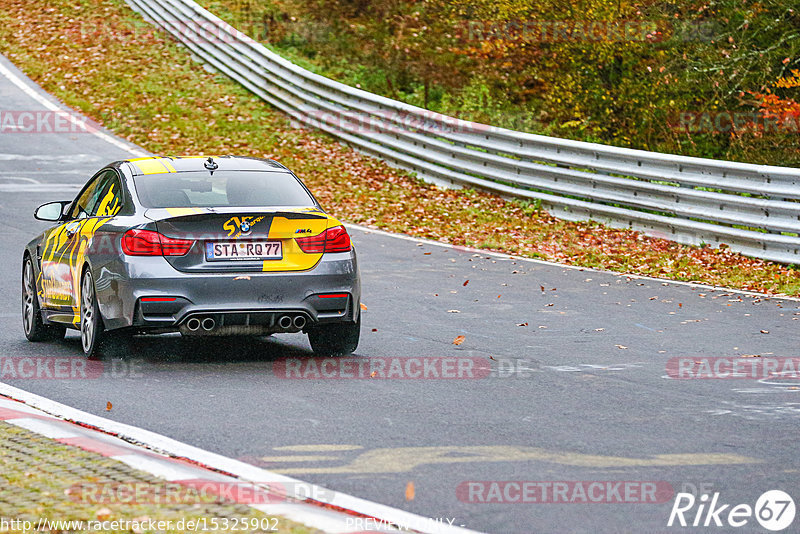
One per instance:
(335, 339)
(35, 329)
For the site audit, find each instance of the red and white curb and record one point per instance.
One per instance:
(191, 467)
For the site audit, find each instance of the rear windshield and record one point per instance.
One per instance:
(223, 188)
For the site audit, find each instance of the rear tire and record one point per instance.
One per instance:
(96, 342)
(335, 339)
(32, 323)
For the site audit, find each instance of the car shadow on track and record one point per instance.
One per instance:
(222, 350)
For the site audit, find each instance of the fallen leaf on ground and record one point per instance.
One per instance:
(459, 340)
(108, 406)
(363, 306)
(465, 283)
(102, 514)
(410, 491)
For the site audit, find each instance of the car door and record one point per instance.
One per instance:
(67, 244)
(57, 250)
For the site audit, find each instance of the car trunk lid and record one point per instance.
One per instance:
(241, 239)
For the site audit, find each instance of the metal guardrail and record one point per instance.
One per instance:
(755, 209)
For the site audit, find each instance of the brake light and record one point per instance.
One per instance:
(312, 245)
(333, 239)
(337, 240)
(150, 243)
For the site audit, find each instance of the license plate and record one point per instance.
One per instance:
(244, 250)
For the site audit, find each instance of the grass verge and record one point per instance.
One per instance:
(45, 480)
(100, 57)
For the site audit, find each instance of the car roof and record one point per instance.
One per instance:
(169, 164)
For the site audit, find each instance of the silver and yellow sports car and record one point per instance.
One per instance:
(201, 246)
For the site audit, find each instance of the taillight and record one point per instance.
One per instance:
(312, 245)
(150, 243)
(333, 239)
(337, 240)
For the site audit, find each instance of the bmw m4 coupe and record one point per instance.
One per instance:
(201, 246)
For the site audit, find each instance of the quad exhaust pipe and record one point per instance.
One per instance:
(196, 323)
(208, 324)
(285, 322)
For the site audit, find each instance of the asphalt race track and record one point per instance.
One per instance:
(569, 376)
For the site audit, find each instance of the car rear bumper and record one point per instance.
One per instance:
(151, 295)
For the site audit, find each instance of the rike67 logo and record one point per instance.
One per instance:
(774, 510)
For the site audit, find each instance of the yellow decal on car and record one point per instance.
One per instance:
(110, 204)
(65, 250)
(286, 230)
(235, 226)
(153, 165)
(294, 259)
(178, 212)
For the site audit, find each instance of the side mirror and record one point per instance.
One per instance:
(52, 211)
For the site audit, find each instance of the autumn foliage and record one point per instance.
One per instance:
(597, 70)
(146, 88)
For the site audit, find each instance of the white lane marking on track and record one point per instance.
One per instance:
(21, 179)
(73, 158)
(500, 255)
(48, 173)
(34, 188)
(28, 90)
